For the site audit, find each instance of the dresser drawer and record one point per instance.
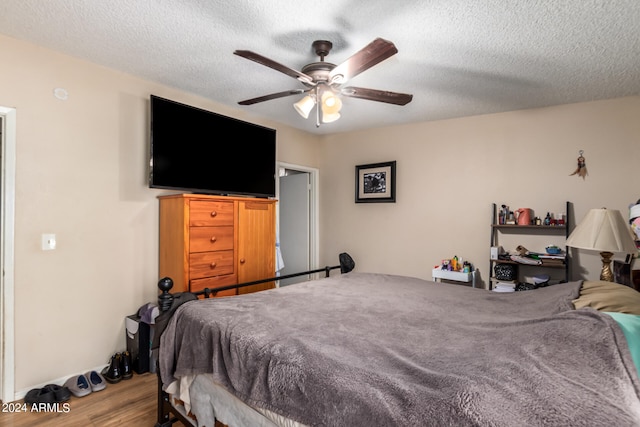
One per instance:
(206, 239)
(215, 282)
(207, 264)
(203, 213)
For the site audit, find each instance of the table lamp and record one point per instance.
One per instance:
(606, 231)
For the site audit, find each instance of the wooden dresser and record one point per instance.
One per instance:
(213, 241)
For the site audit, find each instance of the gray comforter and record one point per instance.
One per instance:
(380, 350)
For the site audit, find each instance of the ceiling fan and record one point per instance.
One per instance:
(324, 81)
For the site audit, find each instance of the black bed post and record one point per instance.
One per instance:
(165, 298)
(164, 414)
(164, 304)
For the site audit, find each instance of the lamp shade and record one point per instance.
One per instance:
(603, 230)
(304, 106)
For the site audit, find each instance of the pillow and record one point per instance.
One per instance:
(630, 326)
(608, 296)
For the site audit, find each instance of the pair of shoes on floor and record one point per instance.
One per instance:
(51, 393)
(81, 385)
(119, 368)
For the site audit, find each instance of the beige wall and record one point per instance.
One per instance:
(450, 172)
(81, 174)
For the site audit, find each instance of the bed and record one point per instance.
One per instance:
(363, 349)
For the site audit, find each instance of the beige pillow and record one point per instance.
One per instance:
(608, 296)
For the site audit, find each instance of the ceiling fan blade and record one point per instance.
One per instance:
(275, 65)
(372, 54)
(272, 96)
(377, 95)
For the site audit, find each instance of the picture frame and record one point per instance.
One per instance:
(376, 183)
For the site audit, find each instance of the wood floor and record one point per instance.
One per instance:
(127, 403)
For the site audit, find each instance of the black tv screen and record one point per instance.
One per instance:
(199, 151)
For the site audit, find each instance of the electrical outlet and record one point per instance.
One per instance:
(48, 242)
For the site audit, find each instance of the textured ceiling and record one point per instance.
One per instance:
(457, 57)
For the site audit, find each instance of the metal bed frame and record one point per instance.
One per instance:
(167, 414)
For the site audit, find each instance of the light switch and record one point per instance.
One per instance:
(48, 242)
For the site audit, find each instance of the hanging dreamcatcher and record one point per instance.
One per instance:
(582, 166)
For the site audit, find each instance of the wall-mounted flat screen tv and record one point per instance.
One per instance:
(198, 151)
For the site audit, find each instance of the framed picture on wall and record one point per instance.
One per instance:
(376, 183)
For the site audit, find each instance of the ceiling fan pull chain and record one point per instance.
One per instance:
(317, 109)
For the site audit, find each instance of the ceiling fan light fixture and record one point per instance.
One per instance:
(331, 104)
(304, 106)
(328, 118)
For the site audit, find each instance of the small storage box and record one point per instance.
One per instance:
(505, 271)
(456, 276)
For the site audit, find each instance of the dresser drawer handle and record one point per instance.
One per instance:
(214, 213)
(212, 265)
(213, 239)
(242, 261)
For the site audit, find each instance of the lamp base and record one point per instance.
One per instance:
(606, 274)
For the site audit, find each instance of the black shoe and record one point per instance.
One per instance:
(40, 395)
(125, 365)
(112, 373)
(60, 393)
